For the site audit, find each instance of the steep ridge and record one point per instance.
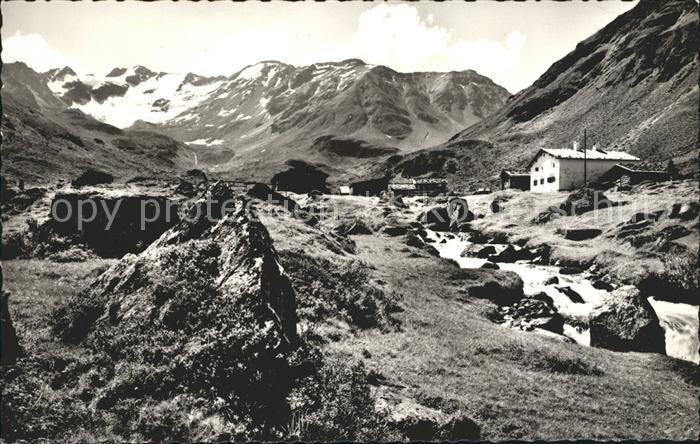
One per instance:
(633, 85)
(44, 140)
(251, 123)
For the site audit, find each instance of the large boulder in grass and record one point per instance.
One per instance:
(478, 250)
(415, 421)
(626, 322)
(685, 210)
(585, 200)
(207, 307)
(458, 210)
(547, 215)
(414, 240)
(477, 237)
(112, 224)
(454, 216)
(396, 230)
(499, 286)
(92, 176)
(512, 254)
(490, 266)
(579, 202)
(224, 254)
(580, 234)
(351, 227)
(438, 216)
(534, 312)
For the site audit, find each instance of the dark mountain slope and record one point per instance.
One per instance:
(633, 85)
(43, 140)
(273, 100)
(270, 112)
(346, 115)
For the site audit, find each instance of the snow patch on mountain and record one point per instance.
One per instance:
(225, 112)
(207, 142)
(156, 99)
(251, 72)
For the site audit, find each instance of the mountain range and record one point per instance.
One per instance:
(633, 86)
(252, 123)
(44, 140)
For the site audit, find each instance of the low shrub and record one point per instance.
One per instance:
(32, 409)
(335, 404)
(327, 289)
(73, 254)
(184, 418)
(13, 246)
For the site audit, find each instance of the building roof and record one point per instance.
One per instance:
(422, 180)
(643, 167)
(430, 180)
(402, 186)
(619, 170)
(514, 173)
(570, 153)
(633, 169)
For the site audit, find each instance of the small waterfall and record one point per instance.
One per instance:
(679, 321)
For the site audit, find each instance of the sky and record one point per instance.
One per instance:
(512, 43)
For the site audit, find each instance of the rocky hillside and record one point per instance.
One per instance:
(633, 85)
(336, 114)
(43, 139)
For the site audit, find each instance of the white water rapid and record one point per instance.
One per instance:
(679, 321)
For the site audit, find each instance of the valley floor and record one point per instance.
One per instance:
(449, 356)
(444, 356)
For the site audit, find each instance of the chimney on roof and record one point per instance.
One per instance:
(575, 145)
(595, 147)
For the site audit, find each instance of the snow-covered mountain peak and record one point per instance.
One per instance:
(270, 107)
(125, 95)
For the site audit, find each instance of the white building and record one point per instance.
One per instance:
(563, 169)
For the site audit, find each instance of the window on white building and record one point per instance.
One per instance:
(541, 181)
(551, 179)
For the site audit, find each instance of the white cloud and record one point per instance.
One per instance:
(397, 36)
(33, 50)
(235, 51)
(496, 60)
